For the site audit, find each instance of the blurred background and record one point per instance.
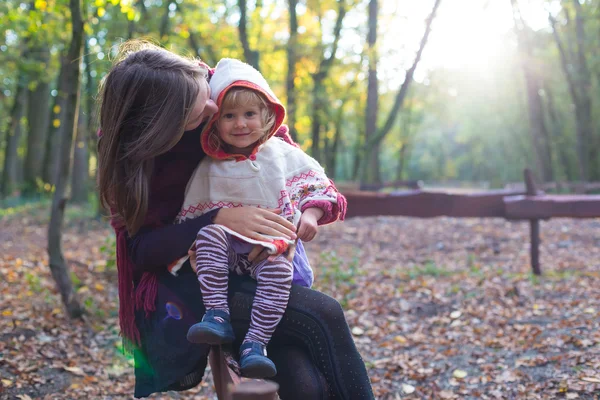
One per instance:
(385, 94)
(467, 92)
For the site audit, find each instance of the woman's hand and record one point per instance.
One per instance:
(308, 224)
(255, 222)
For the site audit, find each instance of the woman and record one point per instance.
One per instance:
(153, 106)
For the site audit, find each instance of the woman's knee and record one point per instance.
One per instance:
(327, 307)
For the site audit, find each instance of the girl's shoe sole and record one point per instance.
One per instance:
(207, 336)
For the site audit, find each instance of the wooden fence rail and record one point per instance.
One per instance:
(529, 204)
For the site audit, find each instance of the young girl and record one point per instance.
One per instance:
(249, 167)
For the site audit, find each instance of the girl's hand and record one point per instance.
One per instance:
(308, 224)
(258, 254)
(255, 222)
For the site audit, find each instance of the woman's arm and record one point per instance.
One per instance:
(153, 248)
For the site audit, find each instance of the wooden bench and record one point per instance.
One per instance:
(229, 384)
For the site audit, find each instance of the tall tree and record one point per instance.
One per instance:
(251, 55)
(52, 153)
(320, 102)
(292, 49)
(579, 81)
(38, 112)
(533, 85)
(11, 156)
(371, 155)
(374, 136)
(71, 84)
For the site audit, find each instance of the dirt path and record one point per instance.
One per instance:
(440, 308)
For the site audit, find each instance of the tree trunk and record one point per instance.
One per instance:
(251, 56)
(405, 137)
(375, 136)
(537, 125)
(51, 159)
(320, 101)
(206, 53)
(13, 136)
(164, 23)
(38, 115)
(81, 163)
(71, 83)
(579, 87)
(291, 70)
(584, 82)
(561, 147)
(317, 110)
(371, 157)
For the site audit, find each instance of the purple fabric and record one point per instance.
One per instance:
(303, 274)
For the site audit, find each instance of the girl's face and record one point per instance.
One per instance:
(241, 128)
(203, 109)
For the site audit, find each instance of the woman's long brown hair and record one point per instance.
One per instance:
(145, 102)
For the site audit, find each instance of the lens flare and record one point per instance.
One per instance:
(173, 311)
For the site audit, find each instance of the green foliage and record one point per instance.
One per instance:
(109, 250)
(457, 124)
(335, 270)
(34, 282)
(429, 269)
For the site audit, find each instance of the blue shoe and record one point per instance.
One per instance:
(254, 362)
(214, 329)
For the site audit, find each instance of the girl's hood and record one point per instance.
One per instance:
(230, 73)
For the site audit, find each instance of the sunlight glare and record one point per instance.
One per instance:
(471, 34)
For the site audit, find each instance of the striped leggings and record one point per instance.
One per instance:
(215, 257)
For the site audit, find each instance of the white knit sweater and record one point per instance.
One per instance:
(278, 176)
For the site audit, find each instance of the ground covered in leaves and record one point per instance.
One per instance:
(441, 308)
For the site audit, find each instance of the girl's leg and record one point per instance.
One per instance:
(213, 259)
(212, 267)
(274, 281)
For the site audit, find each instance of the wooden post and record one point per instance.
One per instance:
(255, 390)
(228, 382)
(223, 376)
(534, 226)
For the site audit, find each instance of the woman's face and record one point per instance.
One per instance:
(203, 109)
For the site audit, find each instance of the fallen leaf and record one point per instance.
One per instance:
(460, 374)
(408, 389)
(400, 339)
(590, 379)
(75, 370)
(357, 331)
(6, 382)
(455, 314)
